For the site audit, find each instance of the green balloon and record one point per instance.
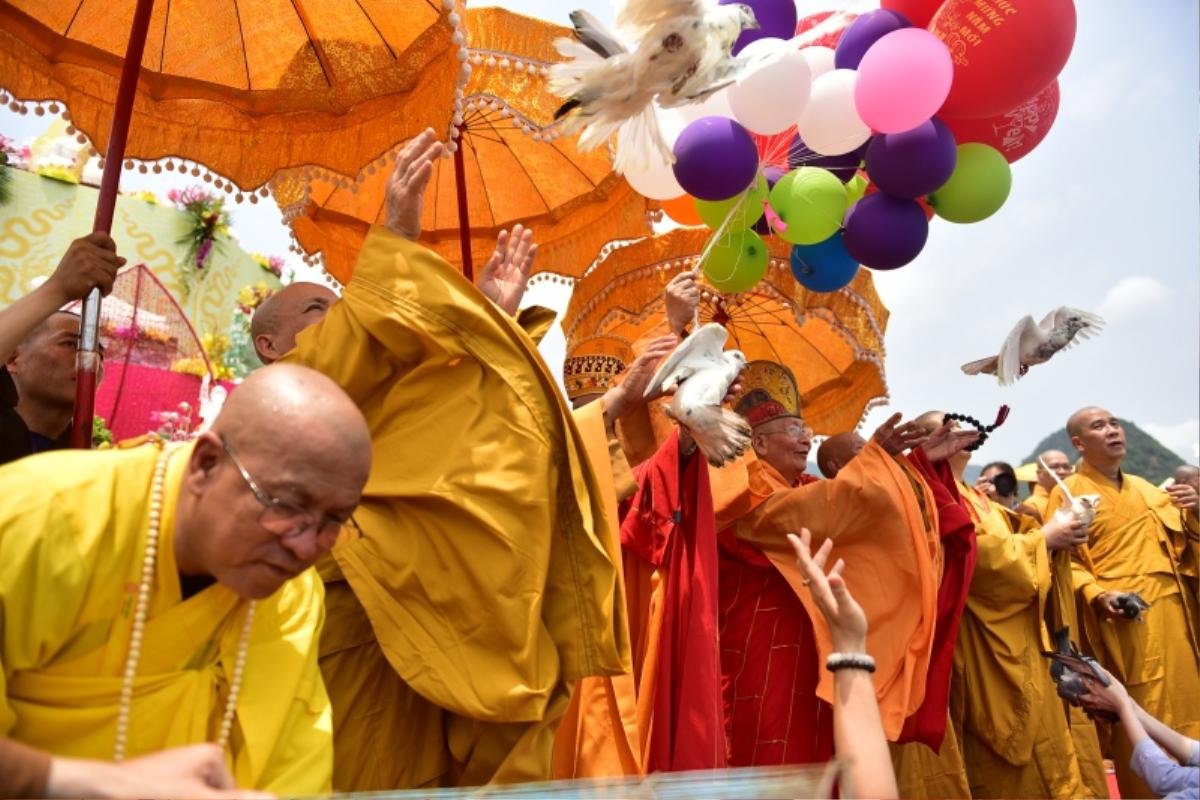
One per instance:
(736, 262)
(812, 201)
(713, 212)
(856, 189)
(978, 186)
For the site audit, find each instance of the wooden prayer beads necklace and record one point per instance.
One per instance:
(984, 430)
(139, 626)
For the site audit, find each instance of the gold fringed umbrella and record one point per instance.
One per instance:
(833, 342)
(511, 165)
(245, 88)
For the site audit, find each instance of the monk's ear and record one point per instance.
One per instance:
(1077, 443)
(264, 348)
(206, 458)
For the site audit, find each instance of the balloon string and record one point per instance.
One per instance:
(719, 232)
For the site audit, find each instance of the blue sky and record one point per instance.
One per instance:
(1104, 215)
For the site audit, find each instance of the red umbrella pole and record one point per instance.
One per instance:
(87, 359)
(464, 218)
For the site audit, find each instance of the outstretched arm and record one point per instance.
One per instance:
(857, 728)
(90, 261)
(506, 274)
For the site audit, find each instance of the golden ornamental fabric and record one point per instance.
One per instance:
(832, 342)
(245, 88)
(591, 367)
(518, 169)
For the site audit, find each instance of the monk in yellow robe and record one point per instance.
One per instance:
(157, 597)
(1014, 732)
(1142, 540)
(483, 582)
(1060, 466)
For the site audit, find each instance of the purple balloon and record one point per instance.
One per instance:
(864, 32)
(915, 162)
(772, 173)
(843, 166)
(715, 158)
(885, 232)
(776, 18)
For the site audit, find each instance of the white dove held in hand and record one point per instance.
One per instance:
(1082, 508)
(703, 371)
(1029, 343)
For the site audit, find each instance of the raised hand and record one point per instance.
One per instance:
(629, 393)
(847, 622)
(682, 296)
(506, 273)
(946, 441)
(90, 261)
(407, 184)
(895, 440)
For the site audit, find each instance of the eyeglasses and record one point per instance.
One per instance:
(795, 430)
(288, 520)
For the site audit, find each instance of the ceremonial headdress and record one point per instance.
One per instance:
(592, 365)
(768, 392)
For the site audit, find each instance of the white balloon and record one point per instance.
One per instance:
(830, 124)
(768, 99)
(656, 182)
(715, 105)
(820, 60)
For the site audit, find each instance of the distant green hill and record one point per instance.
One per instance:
(1145, 455)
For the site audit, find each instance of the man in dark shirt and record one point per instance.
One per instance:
(38, 343)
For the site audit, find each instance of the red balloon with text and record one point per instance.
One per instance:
(1004, 51)
(1016, 132)
(918, 12)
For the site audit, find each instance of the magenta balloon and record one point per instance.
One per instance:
(903, 80)
(715, 158)
(776, 19)
(885, 232)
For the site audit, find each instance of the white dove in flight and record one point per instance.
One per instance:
(1032, 343)
(681, 56)
(703, 370)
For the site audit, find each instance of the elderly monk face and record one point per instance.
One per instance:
(1098, 435)
(270, 487)
(283, 315)
(784, 443)
(1058, 463)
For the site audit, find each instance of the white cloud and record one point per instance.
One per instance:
(1132, 297)
(1182, 437)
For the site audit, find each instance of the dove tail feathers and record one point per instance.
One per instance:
(982, 366)
(640, 143)
(725, 441)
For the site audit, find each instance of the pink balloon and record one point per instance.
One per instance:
(903, 80)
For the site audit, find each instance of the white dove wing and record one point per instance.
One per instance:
(701, 350)
(1024, 338)
(640, 15)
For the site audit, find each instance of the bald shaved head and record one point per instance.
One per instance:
(930, 421)
(284, 314)
(1099, 437)
(1076, 422)
(1189, 475)
(288, 444)
(837, 451)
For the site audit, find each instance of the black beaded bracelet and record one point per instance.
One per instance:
(837, 661)
(984, 430)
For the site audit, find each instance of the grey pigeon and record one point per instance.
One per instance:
(1032, 343)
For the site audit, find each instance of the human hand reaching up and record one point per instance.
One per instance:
(847, 622)
(407, 184)
(506, 274)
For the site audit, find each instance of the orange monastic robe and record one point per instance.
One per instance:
(1140, 542)
(1015, 737)
(883, 520)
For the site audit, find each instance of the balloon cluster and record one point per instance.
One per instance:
(852, 132)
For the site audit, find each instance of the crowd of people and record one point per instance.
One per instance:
(400, 558)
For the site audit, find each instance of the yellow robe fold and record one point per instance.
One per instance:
(73, 528)
(484, 569)
(1135, 543)
(1015, 738)
(883, 521)
(1039, 501)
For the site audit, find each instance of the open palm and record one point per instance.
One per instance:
(506, 273)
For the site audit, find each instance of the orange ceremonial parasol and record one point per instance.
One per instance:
(245, 88)
(833, 342)
(511, 165)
